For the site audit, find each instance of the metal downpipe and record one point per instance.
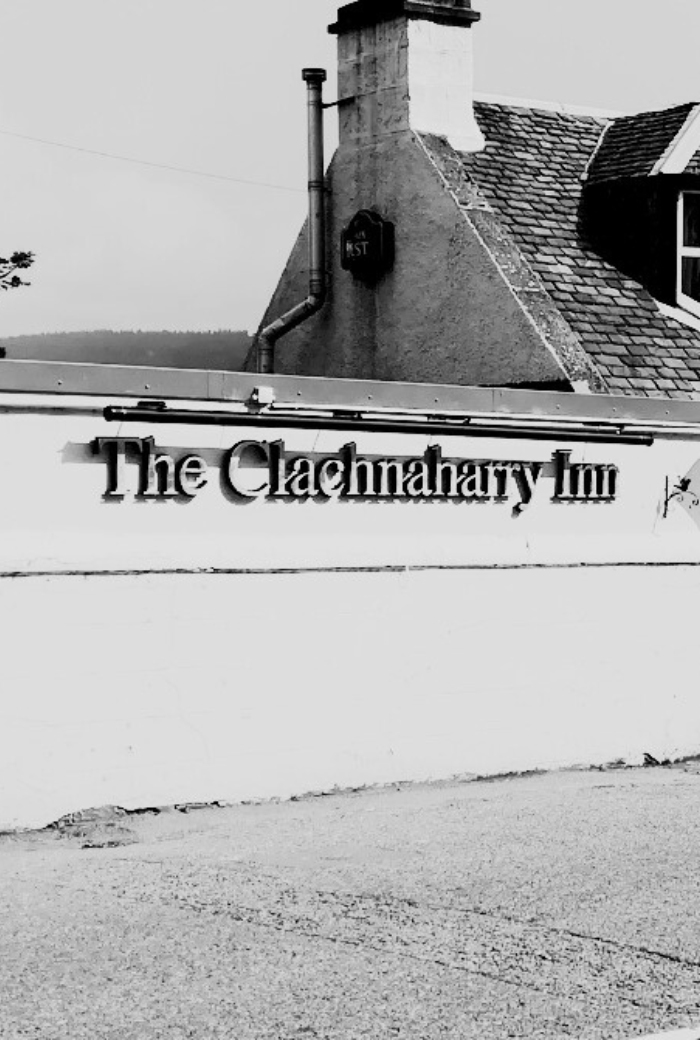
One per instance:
(267, 337)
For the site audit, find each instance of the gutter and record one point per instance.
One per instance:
(267, 338)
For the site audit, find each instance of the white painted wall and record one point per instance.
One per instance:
(150, 688)
(54, 517)
(441, 83)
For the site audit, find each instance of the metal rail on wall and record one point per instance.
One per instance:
(457, 427)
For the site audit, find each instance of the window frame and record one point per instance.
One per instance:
(683, 252)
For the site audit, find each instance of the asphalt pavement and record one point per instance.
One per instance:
(561, 905)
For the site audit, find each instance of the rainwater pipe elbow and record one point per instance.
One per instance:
(267, 337)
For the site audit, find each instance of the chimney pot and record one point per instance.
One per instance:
(314, 75)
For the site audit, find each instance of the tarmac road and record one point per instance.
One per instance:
(565, 905)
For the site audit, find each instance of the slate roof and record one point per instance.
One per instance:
(531, 176)
(632, 145)
(694, 165)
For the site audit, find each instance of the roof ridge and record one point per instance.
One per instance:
(594, 154)
(665, 110)
(549, 106)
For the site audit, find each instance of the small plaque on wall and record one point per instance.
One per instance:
(367, 246)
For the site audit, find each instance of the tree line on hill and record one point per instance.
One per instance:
(224, 350)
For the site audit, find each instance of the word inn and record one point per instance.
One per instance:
(583, 481)
(262, 469)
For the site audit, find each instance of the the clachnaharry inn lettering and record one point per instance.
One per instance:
(253, 469)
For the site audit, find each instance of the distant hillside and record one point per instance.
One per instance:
(223, 350)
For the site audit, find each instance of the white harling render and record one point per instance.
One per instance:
(441, 90)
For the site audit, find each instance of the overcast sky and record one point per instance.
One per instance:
(215, 86)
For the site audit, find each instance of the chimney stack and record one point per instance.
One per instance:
(406, 65)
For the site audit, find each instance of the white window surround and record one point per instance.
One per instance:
(680, 315)
(683, 252)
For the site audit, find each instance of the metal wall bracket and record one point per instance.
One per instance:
(682, 492)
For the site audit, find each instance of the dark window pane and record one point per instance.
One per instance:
(691, 219)
(691, 277)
